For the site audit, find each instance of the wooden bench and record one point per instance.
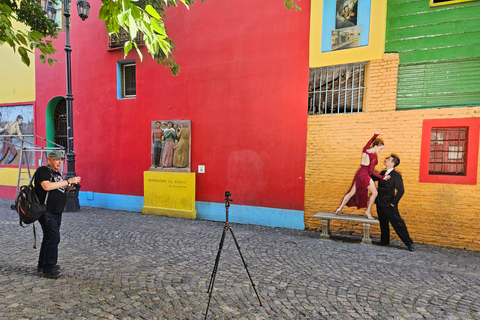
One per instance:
(326, 217)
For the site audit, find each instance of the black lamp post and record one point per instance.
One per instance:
(83, 8)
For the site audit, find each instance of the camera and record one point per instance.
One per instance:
(228, 194)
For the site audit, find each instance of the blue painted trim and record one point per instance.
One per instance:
(262, 216)
(111, 201)
(270, 217)
(328, 23)
(119, 77)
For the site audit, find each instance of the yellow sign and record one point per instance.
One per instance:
(170, 194)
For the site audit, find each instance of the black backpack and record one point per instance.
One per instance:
(28, 207)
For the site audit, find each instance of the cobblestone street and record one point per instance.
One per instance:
(122, 265)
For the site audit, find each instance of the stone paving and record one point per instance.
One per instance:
(123, 265)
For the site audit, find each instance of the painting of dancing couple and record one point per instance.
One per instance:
(387, 196)
(170, 140)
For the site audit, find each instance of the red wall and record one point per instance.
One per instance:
(243, 82)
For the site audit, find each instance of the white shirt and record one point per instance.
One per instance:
(389, 170)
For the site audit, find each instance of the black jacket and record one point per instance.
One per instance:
(386, 189)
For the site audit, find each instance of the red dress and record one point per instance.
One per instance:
(362, 179)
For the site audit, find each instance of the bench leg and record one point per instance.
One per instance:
(366, 234)
(325, 228)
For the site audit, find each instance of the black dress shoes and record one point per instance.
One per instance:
(381, 243)
(410, 247)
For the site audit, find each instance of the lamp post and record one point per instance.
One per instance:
(83, 8)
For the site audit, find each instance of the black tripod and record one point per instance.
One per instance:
(220, 247)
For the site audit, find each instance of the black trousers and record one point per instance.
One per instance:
(390, 215)
(48, 256)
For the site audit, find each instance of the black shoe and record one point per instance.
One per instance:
(410, 247)
(52, 274)
(56, 267)
(381, 243)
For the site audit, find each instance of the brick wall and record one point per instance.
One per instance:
(437, 214)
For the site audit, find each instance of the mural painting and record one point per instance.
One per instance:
(170, 145)
(16, 124)
(345, 24)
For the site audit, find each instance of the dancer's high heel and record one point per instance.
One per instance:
(369, 215)
(338, 211)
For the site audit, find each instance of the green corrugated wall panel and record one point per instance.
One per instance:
(439, 84)
(452, 53)
(434, 30)
(420, 33)
(447, 41)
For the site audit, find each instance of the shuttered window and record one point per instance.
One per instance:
(444, 84)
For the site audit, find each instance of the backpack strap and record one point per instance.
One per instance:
(45, 204)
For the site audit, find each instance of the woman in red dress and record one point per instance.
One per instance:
(362, 182)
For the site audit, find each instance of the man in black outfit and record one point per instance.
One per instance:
(387, 204)
(49, 183)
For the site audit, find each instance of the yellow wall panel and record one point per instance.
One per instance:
(17, 81)
(373, 50)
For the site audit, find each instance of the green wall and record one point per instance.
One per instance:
(421, 33)
(439, 50)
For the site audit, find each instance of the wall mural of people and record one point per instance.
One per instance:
(170, 144)
(15, 121)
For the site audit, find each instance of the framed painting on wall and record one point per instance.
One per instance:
(345, 24)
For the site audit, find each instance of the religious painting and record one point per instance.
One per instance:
(170, 141)
(16, 131)
(345, 24)
(346, 14)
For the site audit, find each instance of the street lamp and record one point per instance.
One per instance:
(83, 8)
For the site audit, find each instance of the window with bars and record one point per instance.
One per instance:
(336, 89)
(447, 151)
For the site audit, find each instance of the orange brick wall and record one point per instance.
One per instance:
(436, 214)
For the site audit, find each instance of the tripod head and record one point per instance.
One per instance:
(228, 194)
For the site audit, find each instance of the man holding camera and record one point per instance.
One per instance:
(50, 185)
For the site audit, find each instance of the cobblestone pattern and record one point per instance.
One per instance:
(120, 265)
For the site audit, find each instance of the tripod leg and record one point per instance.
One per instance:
(245, 264)
(214, 272)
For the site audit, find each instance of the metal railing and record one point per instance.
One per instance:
(30, 153)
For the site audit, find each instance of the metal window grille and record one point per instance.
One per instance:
(336, 89)
(129, 80)
(447, 151)
(117, 41)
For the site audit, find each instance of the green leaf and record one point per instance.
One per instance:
(50, 61)
(157, 27)
(132, 27)
(42, 58)
(151, 11)
(23, 53)
(127, 47)
(138, 51)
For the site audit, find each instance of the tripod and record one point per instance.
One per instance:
(220, 247)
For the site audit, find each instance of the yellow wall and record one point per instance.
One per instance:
(374, 50)
(17, 81)
(436, 214)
